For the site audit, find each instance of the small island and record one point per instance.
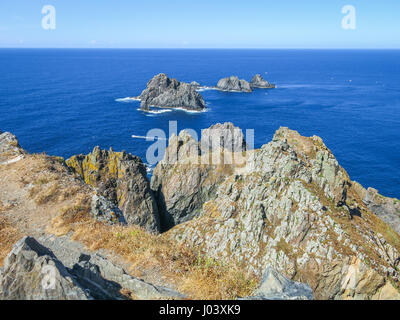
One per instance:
(234, 84)
(163, 92)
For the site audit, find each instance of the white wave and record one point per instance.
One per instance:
(148, 138)
(127, 99)
(200, 89)
(163, 110)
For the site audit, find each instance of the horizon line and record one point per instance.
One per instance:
(201, 48)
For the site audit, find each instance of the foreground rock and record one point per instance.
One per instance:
(233, 84)
(121, 178)
(291, 207)
(181, 184)
(258, 82)
(163, 92)
(32, 272)
(274, 286)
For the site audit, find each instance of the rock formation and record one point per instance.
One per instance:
(292, 207)
(164, 92)
(259, 82)
(234, 84)
(121, 178)
(33, 272)
(182, 189)
(274, 286)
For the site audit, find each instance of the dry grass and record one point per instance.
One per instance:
(198, 276)
(8, 236)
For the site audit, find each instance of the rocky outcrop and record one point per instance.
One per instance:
(291, 207)
(163, 92)
(10, 150)
(225, 136)
(274, 286)
(32, 272)
(388, 209)
(121, 178)
(234, 84)
(258, 82)
(187, 178)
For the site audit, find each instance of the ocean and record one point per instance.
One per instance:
(66, 101)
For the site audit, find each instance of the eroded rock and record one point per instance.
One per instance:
(121, 178)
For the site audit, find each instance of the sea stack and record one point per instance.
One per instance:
(259, 82)
(234, 84)
(163, 92)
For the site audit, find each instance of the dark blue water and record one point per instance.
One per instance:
(63, 102)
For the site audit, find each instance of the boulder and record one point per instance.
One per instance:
(10, 150)
(234, 84)
(164, 92)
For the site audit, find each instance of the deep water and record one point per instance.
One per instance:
(63, 102)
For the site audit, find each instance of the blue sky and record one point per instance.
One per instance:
(200, 24)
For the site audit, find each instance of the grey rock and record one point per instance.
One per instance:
(105, 280)
(258, 82)
(164, 92)
(182, 188)
(275, 286)
(234, 84)
(195, 84)
(388, 209)
(32, 272)
(225, 135)
(104, 210)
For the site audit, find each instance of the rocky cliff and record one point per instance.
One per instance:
(183, 181)
(258, 82)
(122, 179)
(234, 84)
(164, 92)
(292, 207)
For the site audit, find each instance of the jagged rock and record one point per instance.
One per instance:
(291, 207)
(164, 92)
(104, 210)
(104, 280)
(195, 84)
(234, 84)
(226, 136)
(181, 183)
(259, 82)
(121, 178)
(32, 272)
(274, 286)
(10, 150)
(388, 209)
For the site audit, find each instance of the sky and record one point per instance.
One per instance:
(200, 24)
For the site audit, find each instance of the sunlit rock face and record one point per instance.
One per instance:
(291, 207)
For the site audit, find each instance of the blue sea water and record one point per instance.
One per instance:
(64, 102)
